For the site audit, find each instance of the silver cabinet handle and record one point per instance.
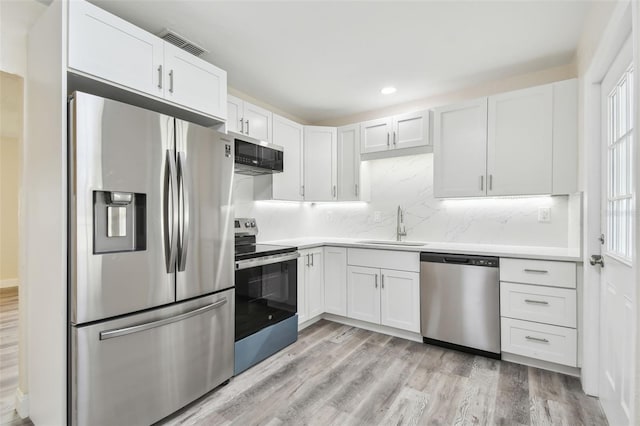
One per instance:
(333, 191)
(308, 260)
(394, 138)
(356, 189)
(481, 183)
(311, 259)
(387, 138)
(536, 302)
(267, 260)
(160, 77)
(169, 211)
(536, 271)
(490, 182)
(536, 339)
(382, 281)
(303, 190)
(376, 284)
(247, 127)
(110, 334)
(184, 201)
(242, 125)
(171, 81)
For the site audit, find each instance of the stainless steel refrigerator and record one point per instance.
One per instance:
(151, 298)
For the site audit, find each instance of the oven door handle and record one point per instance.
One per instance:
(267, 260)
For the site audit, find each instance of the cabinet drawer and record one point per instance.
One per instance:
(384, 259)
(541, 341)
(544, 272)
(555, 306)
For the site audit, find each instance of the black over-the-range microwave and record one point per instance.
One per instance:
(254, 157)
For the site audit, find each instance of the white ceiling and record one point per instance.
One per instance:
(322, 60)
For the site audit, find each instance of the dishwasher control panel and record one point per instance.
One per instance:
(460, 259)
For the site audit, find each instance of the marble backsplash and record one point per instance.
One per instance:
(408, 182)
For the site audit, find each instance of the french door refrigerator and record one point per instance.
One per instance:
(151, 296)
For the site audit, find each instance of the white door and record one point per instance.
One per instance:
(257, 122)
(375, 135)
(235, 120)
(320, 167)
(460, 149)
(349, 163)
(520, 141)
(105, 46)
(303, 261)
(315, 284)
(335, 280)
(617, 297)
(194, 83)
(288, 184)
(411, 130)
(400, 299)
(363, 294)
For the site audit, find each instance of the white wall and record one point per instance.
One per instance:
(408, 181)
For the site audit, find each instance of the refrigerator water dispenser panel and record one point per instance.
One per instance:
(119, 223)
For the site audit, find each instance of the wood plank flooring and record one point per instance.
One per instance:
(341, 375)
(9, 357)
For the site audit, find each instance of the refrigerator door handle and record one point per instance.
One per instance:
(170, 229)
(185, 201)
(110, 334)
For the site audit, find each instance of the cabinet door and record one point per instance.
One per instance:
(410, 130)
(519, 148)
(315, 284)
(105, 46)
(257, 122)
(460, 149)
(320, 163)
(235, 120)
(349, 163)
(288, 184)
(363, 294)
(194, 83)
(303, 261)
(335, 280)
(400, 299)
(375, 135)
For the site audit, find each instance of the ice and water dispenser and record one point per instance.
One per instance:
(119, 221)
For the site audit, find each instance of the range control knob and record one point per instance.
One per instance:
(253, 224)
(247, 224)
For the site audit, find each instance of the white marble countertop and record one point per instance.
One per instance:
(519, 252)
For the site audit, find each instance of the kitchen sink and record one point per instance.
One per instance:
(393, 243)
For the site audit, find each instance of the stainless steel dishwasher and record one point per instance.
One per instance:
(460, 302)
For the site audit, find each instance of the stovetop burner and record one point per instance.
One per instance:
(245, 242)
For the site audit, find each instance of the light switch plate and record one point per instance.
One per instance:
(544, 214)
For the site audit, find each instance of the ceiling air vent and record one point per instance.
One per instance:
(177, 40)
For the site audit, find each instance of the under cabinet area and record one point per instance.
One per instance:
(108, 48)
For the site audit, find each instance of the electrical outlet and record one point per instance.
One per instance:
(544, 214)
(377, 217)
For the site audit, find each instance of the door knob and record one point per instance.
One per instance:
(596, 259)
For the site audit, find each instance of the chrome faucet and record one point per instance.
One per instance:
(401, 231)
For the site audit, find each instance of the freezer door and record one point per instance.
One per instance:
(206, 234)
(122, 176)
(139, 369)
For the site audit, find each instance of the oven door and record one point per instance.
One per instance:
(266, 292)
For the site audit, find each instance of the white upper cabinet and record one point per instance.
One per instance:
(375, 135)
(349, 186)
(411, 130)
(192, 82)
(104, 46)
(289, 135)
(460, 147)
(520, 142)
(249, 119)
(320, 169)
(401, 131)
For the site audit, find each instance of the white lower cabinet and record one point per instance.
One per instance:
(540, 341)
(310, 284)
(335, 280)
(363, 294)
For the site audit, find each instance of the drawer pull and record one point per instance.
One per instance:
(536, 339)
(536, 302)
(537, 271)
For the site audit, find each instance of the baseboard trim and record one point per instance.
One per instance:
(545, 365)
(383, 329)
(22, 404)
(9, 283)
(307, 323)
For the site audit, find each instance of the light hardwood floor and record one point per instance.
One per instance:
(9, 356)
(341, 375)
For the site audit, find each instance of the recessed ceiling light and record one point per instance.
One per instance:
(388, 90)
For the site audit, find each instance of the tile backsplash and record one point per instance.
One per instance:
(408, 182)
